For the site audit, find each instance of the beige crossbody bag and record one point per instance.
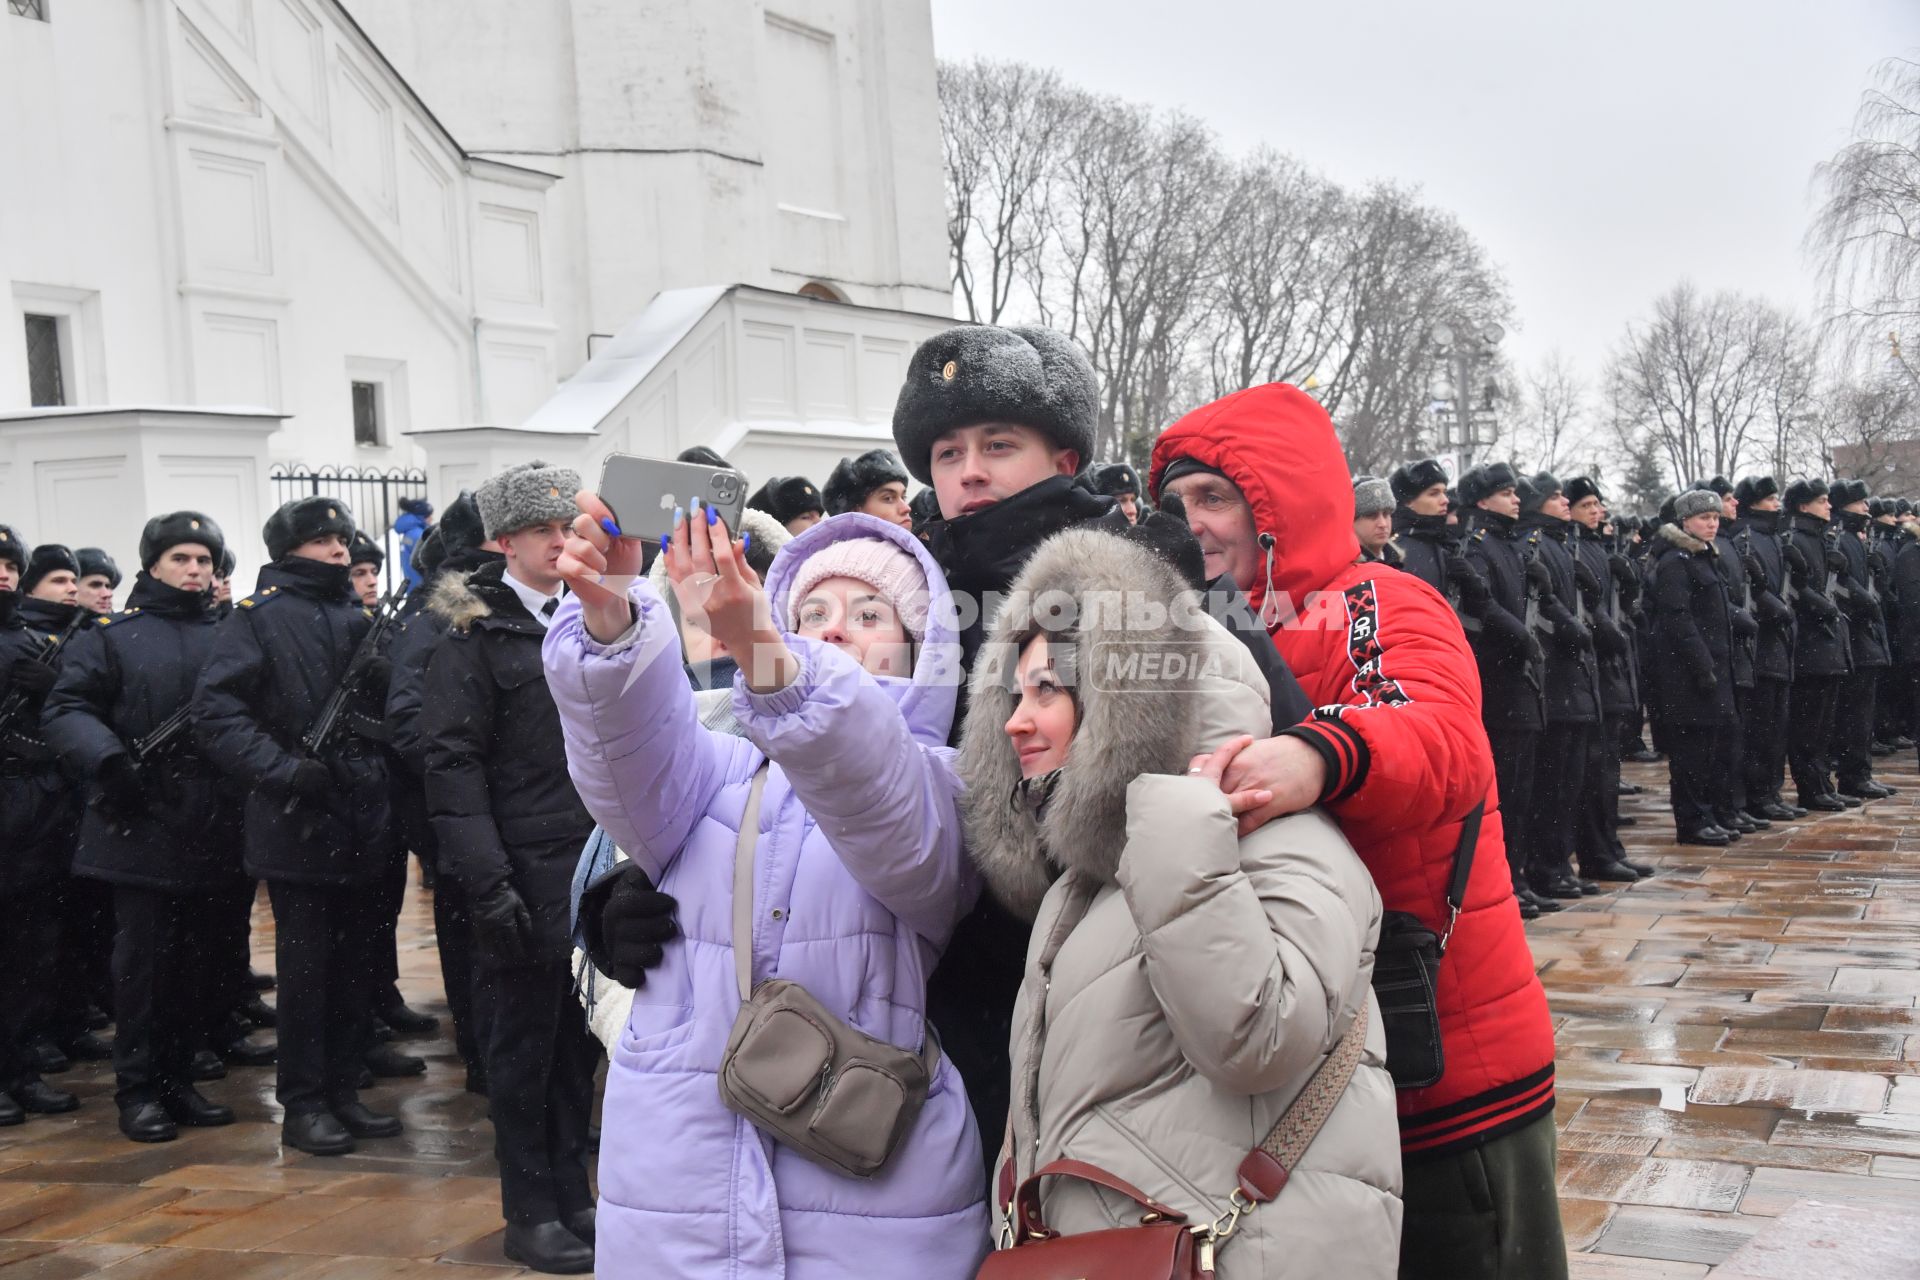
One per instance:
(836, 1095)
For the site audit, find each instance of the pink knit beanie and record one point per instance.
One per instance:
(890, 571)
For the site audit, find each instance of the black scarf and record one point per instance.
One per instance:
(984, 552)
(150, 595)
(315, 579)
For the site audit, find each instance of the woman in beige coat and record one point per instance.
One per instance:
(1183, 983)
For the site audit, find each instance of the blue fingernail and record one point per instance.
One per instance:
(746, 540)
(666, 540)
(606, 522)
(713, 517)
(679, 514)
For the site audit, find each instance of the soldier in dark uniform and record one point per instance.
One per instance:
(1120, 482)
(318, 828)
(1509, 656)
(86, 927)
(1597, 826)
(1903, 615)
(99, 579)
(1731, 800)
(222, 589)
(1692, 670)
(1890, 711)
(158, 831)
(1430, 547)
(875, 483)
(453, 547)
(510, 828)
(792, 500)
(1853, 717)
(1572, 696)
(1763, 710)
(364, 559)
(1822, 653)
(38, 819)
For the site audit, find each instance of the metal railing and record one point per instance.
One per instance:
(373, 493)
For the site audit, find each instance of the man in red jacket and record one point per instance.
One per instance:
(1396, 752)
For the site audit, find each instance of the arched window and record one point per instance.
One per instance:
(824, 292)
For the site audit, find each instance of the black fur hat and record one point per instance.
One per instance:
(1411, 479)
(1116, 478)
(1486, 480)
(1801, 492)
(787, 498)
(14, 548)
(1877, 507)
(925, 508)
(700, 455)
(1902, 507)
(94, 560)
(460, 526)
(1752, 489)
(1843, 492)
(304, 519)
(974, 373)
(177, 527)
(364, 550)
(1719, 485)
(226, 564)
(853, 479)
(48, 557)
(1582, 487)
(1536, 489)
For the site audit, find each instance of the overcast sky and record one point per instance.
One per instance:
(1599, 151)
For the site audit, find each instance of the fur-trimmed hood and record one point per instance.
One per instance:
(1154, 683)
(462, 599)
(1675, 536)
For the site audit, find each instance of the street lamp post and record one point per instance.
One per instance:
(1466, 429)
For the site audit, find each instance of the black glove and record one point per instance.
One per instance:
(1744, 626)
(1608, 638)
(1588, 581)
(30, 677)
(378, 673)
(311, 780)
(627, 923)
(502, 925)
(1465, 579)
(1836, 561)
(1540, 576)
(1171, 538)
(1574, 632)
(120, 793)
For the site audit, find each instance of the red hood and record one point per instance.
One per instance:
(1278, 445)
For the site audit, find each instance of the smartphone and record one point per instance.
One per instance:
(642, 492)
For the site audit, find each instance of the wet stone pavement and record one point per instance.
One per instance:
(1739, 1095)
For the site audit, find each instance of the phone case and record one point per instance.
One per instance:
(642, 492)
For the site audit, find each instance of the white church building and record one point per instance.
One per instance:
(436, 237)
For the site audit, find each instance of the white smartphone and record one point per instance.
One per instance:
(642, 492)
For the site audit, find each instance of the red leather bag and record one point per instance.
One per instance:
(1166, 1246)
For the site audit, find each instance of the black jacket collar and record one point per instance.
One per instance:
(314, 579)
(985, 551)
(150, 595)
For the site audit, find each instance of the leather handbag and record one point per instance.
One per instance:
(836, 1095)
(1166, 1245)
(1406, 973)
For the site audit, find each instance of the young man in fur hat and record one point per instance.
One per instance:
(1853, 718)
(364, 559)
(792, 500)
(161, 833)
(874, 483)
(318, 827)
(99, 579)
(1822, 650)
(1429, 543)
(38, 820)
(1763, 708)
(510, 826)
(1373, 520)
(1120, 482)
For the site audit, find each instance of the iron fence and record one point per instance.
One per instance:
(372, 493)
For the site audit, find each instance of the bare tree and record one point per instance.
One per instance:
(1698, 377)
(1554, 426)
(1002, 126)
(1866, 233)
(1868, 428)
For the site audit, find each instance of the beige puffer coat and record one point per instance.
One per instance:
(1182, 983)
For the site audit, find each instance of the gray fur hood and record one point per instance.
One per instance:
(1154, 683)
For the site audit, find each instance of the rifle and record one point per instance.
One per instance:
(16, 737)
(1534, 674)
(161, 736)
(319, 738)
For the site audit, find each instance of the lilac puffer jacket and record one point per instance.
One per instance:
(861, 879)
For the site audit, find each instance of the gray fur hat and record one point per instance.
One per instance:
(1371, 496)
(1695, 502)
(975, 373)
(529, 494)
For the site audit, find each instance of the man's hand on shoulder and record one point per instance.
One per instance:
(1289, 768)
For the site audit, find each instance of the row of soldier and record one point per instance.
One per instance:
(1760, 634)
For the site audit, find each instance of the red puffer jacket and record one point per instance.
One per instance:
(1383, 659)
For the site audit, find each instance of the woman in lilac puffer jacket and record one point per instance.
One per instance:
(860, 879)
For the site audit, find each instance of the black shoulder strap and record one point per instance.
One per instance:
(1462, 868)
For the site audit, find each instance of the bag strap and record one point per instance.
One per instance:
(1027, 1200)
(1462, 868)
(1264, 1173)
(743, 885)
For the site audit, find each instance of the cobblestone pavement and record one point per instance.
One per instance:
(1739, 1096)
(1738, 1036)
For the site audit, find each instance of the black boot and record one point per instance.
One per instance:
(11, 1112)
(243, 1052)
(44, 1056)
(42, 1099)
(206, 1066)
(260, 981)
(548, 1247)
(317, 1133)
(88, 1047)
(147, 1122)
(258, 1012)
(189, 1107)
(580, 1222)
(357, 1120)
(389, 1063)
(410, 1021)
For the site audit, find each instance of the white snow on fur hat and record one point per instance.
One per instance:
(889, 570)
(1696, 502)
